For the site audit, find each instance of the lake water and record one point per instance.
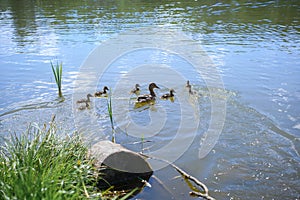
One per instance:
(254, 61)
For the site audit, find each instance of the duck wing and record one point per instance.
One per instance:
(146, 97)
(165, 96)
(98, 93)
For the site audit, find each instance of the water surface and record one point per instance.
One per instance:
(255, 47)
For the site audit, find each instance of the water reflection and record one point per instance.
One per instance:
(24, 19)
(227, 17)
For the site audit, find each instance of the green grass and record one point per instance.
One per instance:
(57, 72)
(41, 165)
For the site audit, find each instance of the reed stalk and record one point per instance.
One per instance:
(57, 72)
(110, 112)
(142, 142)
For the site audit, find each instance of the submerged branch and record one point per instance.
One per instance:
(185, 175)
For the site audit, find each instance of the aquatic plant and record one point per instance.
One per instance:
(110, 113)
(57, 72)
(142, 142)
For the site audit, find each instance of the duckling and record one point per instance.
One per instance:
(168, 95)
(136, 90)
(188, 84)
(148, 97)
(85, 100)
(100, 93)
(189, 87)
(83, 107)
(190, 90)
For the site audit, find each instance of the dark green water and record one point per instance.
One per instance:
(254, 47)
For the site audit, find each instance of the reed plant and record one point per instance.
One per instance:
(57, 72)
(110, 113)
(40, 164)
(142, 142)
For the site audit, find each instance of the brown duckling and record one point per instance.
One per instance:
(188, 84)
(189, 87)
(101, 93)
(85, 100)
(148, 97)
(136, 90)
(168, 95)
(190, 90)
(83, 107)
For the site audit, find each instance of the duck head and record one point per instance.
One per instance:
(172, 91)
(152, 86)
(188, 83)
(105, 88)
(137, 86)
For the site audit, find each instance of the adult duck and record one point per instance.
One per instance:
(101, 93)
(148, 97)
(168, 95)
(85, 100)
(136, 89)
